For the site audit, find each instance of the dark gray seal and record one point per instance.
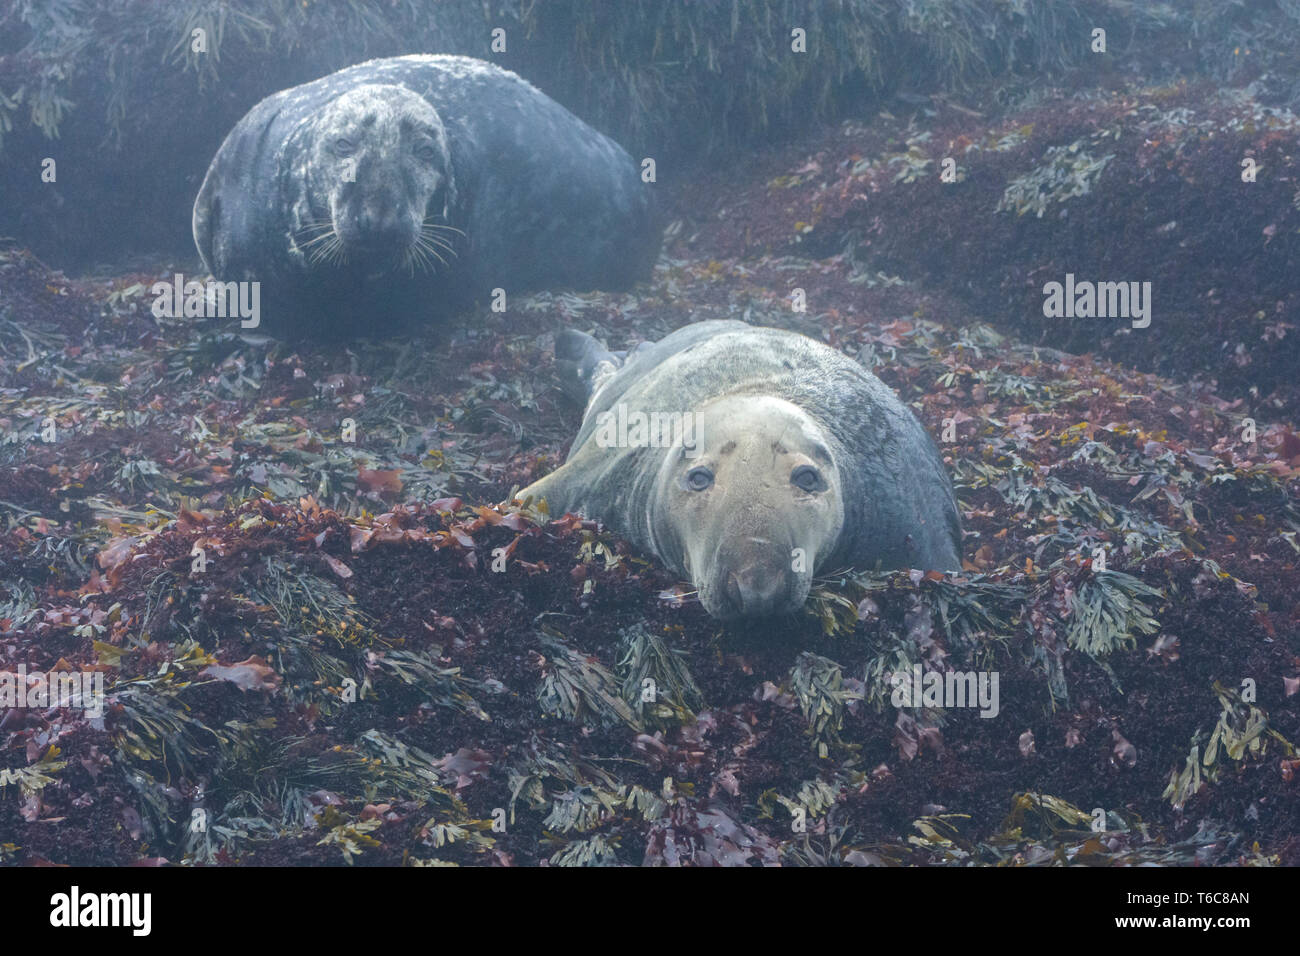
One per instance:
(773, 457)
(409, 187)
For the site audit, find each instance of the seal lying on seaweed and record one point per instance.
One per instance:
(748, 459)
(407, 187)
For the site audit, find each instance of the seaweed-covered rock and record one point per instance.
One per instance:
(316, 648)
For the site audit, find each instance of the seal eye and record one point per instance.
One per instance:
(343, 147)
(699, 479)
(806, 478)
(426, 152)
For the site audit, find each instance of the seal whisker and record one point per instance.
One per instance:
(440, 236)
(430, 250)
(308, 229)
(412, 260)
(431, 255)
(425, 259)
(432, 244)
(319, 253)
(440, 227)
(321, 238)
(305, 234)
(440, 243)
(332, 253)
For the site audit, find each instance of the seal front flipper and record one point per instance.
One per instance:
(560, 489)
(582, 363)
(206, 218)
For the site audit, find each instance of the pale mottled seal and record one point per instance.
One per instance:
(407, 187)
(802, 461)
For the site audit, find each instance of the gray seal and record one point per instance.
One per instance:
(409, 187)
(750, 459)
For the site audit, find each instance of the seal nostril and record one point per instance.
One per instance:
(756, 590)
(380, 232)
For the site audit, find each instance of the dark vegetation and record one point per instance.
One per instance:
(1161, 695)
(520, 690)
(1139, 184)
(113, 91)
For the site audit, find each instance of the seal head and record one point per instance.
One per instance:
(752, 508)
(377, 179)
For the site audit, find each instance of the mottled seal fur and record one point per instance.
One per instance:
(405, 188)
(800, 461)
